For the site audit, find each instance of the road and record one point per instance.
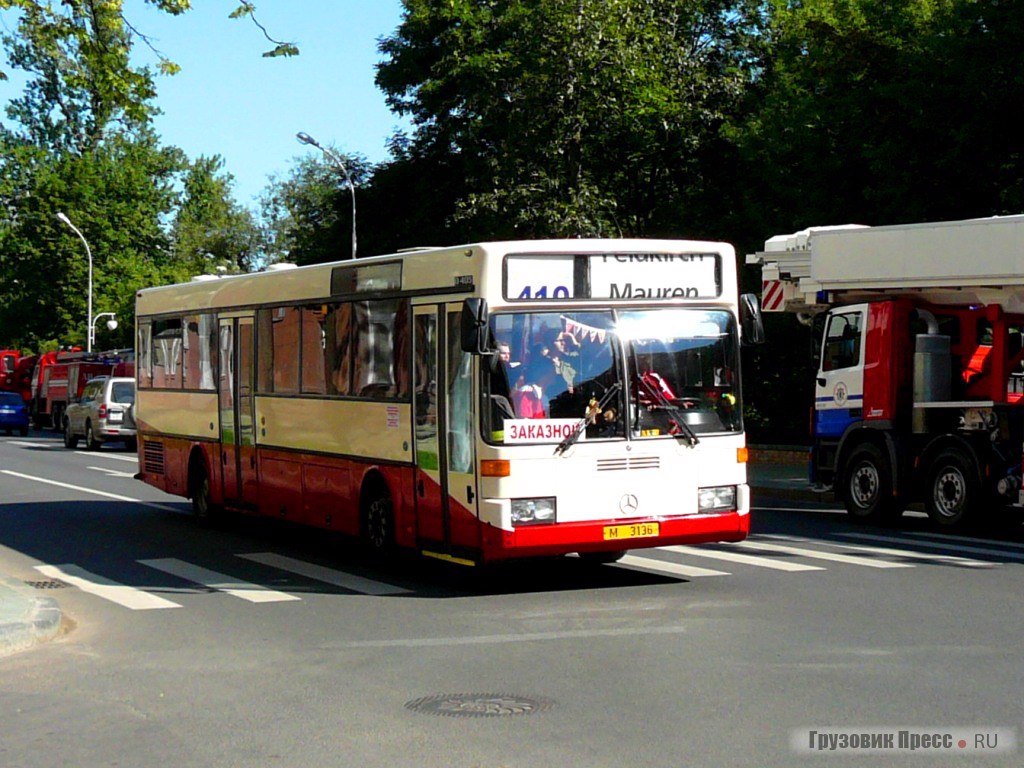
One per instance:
(255, 644)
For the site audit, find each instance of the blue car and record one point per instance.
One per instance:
(13, 413)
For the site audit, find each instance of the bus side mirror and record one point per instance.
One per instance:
(751, 321)
(474, 331)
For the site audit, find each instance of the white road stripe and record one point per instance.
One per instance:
(525, 637)
(818, 554)
(326, 575)
(27, 444)
(112, 472)
(1005, 554)
(663, 566)
(93, 491)
(128, 597)
(116, 457)
(1009, 545)
(736, 557)
(254, 593)
(909, 554)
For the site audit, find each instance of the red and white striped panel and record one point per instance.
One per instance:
(773, 296)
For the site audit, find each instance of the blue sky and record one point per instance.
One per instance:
(230, 101)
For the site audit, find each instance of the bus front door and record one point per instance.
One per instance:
(446, 504)
(237, 432)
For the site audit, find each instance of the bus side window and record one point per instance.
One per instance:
(338, 349)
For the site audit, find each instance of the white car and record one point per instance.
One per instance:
(102, 414)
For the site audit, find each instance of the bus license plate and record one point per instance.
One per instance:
(635, 531)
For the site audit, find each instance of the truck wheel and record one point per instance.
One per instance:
(952, 489)
(868, 492)
(70, 438)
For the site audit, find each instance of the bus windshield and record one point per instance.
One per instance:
(648, 373)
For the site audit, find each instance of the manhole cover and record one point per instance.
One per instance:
(478, 704)
(46, 584)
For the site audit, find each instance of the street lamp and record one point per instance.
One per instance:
(88, 316)
(111, 326)
(305, 138)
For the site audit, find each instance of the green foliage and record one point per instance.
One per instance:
(308, 214)
(577, 117)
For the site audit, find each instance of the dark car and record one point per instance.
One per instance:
(13, 413)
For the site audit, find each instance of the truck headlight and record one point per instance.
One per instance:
(533, 511)
(716, 499)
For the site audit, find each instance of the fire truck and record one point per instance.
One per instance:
(918, 343)
(60, 377)
(8, 364)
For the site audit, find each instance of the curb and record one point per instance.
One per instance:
(25, 620)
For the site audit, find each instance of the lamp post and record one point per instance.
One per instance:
(305, 138)
(111, 326)
(88, 316)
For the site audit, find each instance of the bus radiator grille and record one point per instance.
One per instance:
(628, 462)
(153, 457)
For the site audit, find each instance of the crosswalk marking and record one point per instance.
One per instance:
(128, 597)
(218, 581)
(326, 575)
(737, 557)
(1005, 554)
(818, 554)
(1009, 545)
(664, 566)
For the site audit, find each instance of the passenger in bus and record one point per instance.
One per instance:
(528, 394)
(564, 352)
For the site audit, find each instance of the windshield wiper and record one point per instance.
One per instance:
(673, 409)
(591, 416)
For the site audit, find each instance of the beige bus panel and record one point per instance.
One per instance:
(187, 414)
(423, 271)
(357, 428)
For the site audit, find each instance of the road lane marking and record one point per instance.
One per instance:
(220, 582)
(116, 457)
(112, 472)
(27, 444)
(1009, 545)
(128, 597)
(736, 557)
(818, 554)
(1005, 554)
(663, 566)
(327, 575)
(421, 642)
(93, 491)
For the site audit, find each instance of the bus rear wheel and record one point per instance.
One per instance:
(378, 526)
(199, 491)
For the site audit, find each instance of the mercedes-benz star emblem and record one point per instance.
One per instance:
(628, 504)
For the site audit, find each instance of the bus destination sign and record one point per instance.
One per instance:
(613, 276)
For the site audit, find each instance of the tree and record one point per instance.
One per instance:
(885, 112)
(116, 196)
(211, 230)
(308, 215)
(570, 117)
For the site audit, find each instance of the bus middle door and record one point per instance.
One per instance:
(445, 479)
(237, 423)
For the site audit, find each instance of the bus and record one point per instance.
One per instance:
(475, 403)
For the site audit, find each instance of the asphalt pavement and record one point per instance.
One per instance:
(27, 619)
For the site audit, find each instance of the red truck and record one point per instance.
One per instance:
(919, 392)
(60, 377)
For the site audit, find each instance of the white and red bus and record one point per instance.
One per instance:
(474, 403)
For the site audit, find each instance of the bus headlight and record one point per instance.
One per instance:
(533, 511)
(716, 499)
